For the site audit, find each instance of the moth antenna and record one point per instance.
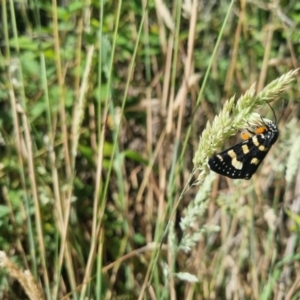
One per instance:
(274, 113)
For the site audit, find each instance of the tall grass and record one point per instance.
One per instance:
(109, 111)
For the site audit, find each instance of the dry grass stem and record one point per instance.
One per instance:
(25, 278)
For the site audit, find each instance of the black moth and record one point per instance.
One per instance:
(242, 160)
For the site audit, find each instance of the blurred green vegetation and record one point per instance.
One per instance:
(95, 105)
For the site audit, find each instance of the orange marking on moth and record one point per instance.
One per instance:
(260, 130)
(245, 136)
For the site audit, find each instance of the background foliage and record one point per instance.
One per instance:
(101, 108)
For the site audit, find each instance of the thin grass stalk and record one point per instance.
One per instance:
(37, 211)
(55, 178)
(66, 203)
(149, 198)
(18, 139)
(177, 16)
(99, 265)
(267, 51)
(59, 73)
(5, 30)
(101, 137)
